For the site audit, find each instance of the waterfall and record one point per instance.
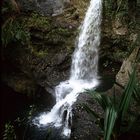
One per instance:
(84, 72)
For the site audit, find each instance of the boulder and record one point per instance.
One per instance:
(83, 126)
(123, 75)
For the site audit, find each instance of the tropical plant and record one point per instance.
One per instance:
(116, 120)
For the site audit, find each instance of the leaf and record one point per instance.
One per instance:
(126, 97)
(101, 98)
(110, 118)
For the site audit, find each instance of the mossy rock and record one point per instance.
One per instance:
(35, 20)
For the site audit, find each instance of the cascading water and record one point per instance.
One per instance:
(83, 72)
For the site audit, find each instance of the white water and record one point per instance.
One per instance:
(83, 72)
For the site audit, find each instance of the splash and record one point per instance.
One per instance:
(84, 72)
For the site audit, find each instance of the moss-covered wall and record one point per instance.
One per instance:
(44, 56)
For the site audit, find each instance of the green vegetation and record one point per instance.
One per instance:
(13, 31)
(117, 119)
(9, 133)
(37, 21)
(44, 36)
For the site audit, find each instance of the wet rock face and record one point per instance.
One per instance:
(83, 126)
(52, 69)
(45, 7)
(46, 60)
